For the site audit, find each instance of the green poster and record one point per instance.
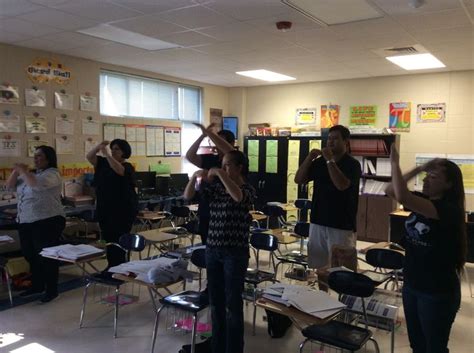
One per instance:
(253, 164)
(272, 148)
(362, 115)
(314, 144)
(253, 148)
(271, 165)
(160, 168)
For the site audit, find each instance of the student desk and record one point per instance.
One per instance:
(82, 263)
(147, 219)
(160, 236)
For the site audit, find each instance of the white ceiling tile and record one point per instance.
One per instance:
(150, 26)
(97, 10)
(195, 17)
(81, 40)
(16, 7)
(243, 10)
(397, 7)
(233, 31)
(188, 39)
(434, 20)
(57, 19)
(50, 2)
(464, 34)
(7, 37)
(46, 44)
(153, 6)
(24, 27)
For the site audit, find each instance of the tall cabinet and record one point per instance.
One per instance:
(275, 160)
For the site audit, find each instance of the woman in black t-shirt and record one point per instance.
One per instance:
(117, 201)
(227, 249)
(435, 246)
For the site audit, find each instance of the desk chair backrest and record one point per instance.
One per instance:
(274, 212)
(192, 226)
(263, 241)
(385, 258)
(303, 206)
(180, 211)
(132, 242)
(302, 229)
(353, 284)
(198, 258)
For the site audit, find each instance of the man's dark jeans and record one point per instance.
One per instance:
(226, 268)
(429, 318)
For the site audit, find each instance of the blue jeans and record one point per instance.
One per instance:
(429, 318)
(226, 268)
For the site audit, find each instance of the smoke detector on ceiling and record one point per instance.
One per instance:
(284, 25)
(416, 3)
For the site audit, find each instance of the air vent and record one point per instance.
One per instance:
(402, 50)
(405, 50)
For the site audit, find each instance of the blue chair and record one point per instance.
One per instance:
(128, 243)
(296, 257)
(340, 334)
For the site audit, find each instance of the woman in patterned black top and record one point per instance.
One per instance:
(227, 253)
(435, 245)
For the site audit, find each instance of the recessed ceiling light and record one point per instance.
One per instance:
(133, 39)
(265, 75)
(416, 61)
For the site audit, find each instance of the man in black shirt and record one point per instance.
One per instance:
(224, 141)
(336, 179)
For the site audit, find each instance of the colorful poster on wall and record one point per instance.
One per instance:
(431, 113)
(36, 125)
(9, 123)
(10, 147)
(44, 70)
(9, 94)
(35, 97)
(400, 116)
(362, 115)
(73, 170)
(329, 116)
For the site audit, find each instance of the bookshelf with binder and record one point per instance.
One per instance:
(373, 153)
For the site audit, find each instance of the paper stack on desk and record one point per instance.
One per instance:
(313, 302)
(6, 239)
(71, 252)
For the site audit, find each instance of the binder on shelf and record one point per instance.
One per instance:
(369, 167)
(383, 167)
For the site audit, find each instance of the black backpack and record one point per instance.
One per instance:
(201, 347)
(278, 324)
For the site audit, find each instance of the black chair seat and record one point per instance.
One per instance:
(259, 277)
(104, 278)
(295, 258)
(191, 301)
(338, 334)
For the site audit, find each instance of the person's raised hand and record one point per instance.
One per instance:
(314, 153)
(327, 153)
(20, 168)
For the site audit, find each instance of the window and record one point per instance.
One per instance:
(139, 97)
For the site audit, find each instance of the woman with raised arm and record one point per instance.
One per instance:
(435, 244)
(41, 218)
(117, 201)
(227, 249)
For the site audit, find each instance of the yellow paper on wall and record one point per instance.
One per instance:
(271, 165)
(314, 144)
(253, 163)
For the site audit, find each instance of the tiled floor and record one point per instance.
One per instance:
(54, 327)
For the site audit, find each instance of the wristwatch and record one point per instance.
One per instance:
(330, 161)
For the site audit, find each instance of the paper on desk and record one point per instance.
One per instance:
(6, 238)
(71, 252)
(311, 301)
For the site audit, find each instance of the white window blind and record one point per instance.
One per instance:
(134, 96)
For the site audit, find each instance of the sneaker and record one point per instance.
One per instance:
(30, 292)
(48, 297)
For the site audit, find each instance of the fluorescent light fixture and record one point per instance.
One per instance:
(416, 61)
(265, 75)
(133, 39)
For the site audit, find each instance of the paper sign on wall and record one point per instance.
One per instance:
(44, 70)
(35, 97)
(88, 103)
(64, 125)
(63, 101)
(9, 123)
(431, 113)
(10, 147)
(172, 141)
(36, 125)
(363, 115)
(90, 127)
(154, 140)
(9, 94)
(64, 145)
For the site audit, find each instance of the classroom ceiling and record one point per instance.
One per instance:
(219, 37)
